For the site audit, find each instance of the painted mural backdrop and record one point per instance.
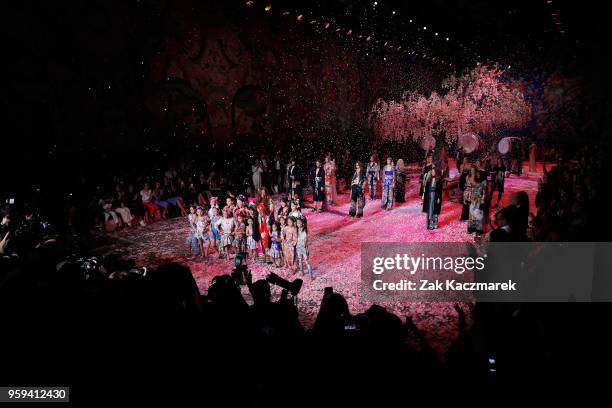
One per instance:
(215, 78)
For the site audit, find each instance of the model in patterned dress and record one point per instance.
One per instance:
(330, 180)
(357, 192)
(276, 251)
(373, 175)
(202, 233)
(477, 198)
(289, 238)
(250, 241)
(192, 239)
(225, 227)
(240, 234)
(301, 247)
(388, 185)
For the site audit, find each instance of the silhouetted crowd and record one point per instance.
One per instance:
(68, 320)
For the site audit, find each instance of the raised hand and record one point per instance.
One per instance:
(4, 243)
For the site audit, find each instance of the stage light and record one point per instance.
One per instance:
(424, 27)
(375, 3)
(393, 12)
(410, 20)
(436, 34)
(447, 38)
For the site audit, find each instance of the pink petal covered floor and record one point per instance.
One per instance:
(334, 253)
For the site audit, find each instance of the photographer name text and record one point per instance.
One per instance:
(442, 285)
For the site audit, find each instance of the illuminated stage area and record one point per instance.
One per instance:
(250, 189)
(335, 241)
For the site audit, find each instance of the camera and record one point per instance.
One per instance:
(87, 268)
(139, 271)
(240, 268)
(291, 287)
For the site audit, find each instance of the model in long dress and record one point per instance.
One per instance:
(373, 175)
(257, 175)
(330, 180)
(425, 173)
(432, 203)
(400, 181)
(357, 192)
(477, 199)
(317, 181)
(289, 238)
(388, 185)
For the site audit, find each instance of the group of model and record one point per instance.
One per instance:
(478, 183)
(392, 178)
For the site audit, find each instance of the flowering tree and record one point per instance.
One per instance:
(478, 101)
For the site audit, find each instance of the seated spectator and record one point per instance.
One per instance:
(133, 200)
(160, 200)
(152, 212)
(121, 208)
(112, 221)
(173, 197)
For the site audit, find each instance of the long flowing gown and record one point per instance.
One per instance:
(432, 203)
(477, 197)
(400, 187)
(388, 186)
(330, 182)
(257, 177)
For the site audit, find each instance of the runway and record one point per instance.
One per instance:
(335, 241)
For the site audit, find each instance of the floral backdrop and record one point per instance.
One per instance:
(486, 101)
(478, 101)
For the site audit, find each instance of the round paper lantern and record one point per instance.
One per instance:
(470, 142)
(506, 144)
(428, 143)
